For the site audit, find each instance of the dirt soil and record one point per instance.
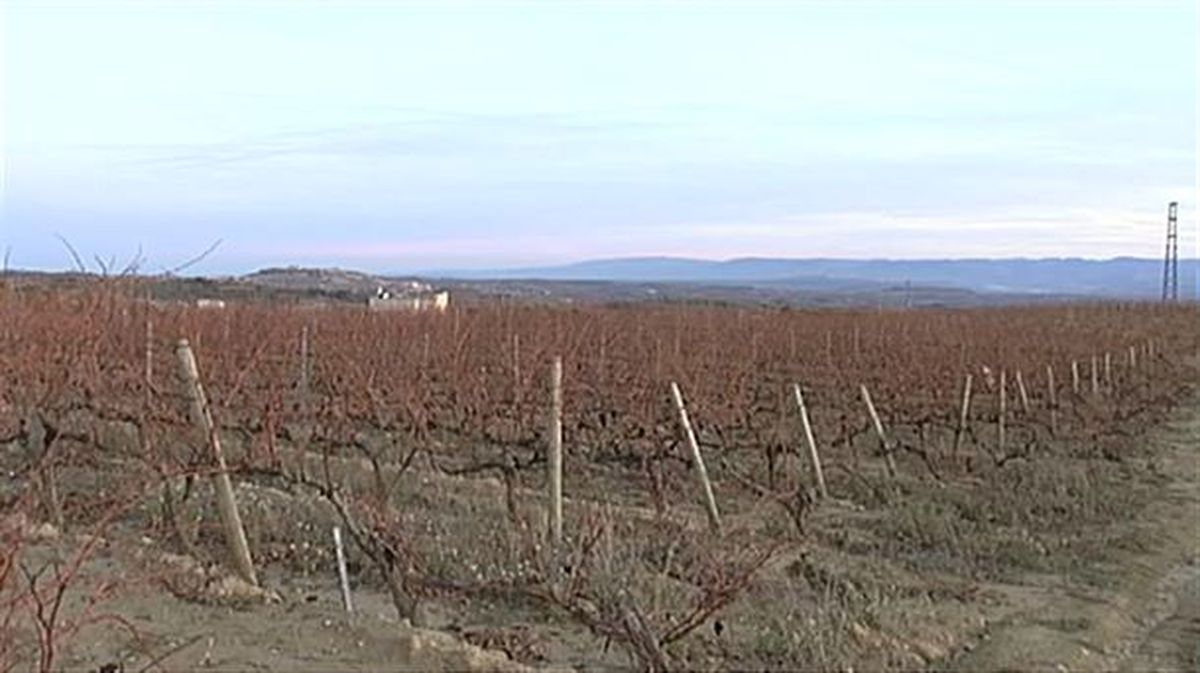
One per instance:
(1138, 609)
(301, 627)
(1140, 612)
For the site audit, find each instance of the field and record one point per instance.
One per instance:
(1013, 454)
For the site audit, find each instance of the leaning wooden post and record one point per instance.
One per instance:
(1095, 376)
(235, 535)
(554, 463)
(1000, 417)
(710, 501)
(343, 576)
(962, 417)
(1024, 395)
(1075, 376)
(818, 474)
(889, 460)
(1053, 400)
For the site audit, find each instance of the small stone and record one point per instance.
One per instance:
(43, 532)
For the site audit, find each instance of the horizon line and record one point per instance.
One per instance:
(443, 272)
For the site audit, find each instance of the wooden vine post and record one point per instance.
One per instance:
(555, 460)
(813, 456)
(516, 366)
(45, 477)
(1095, 376)
(343, 576)
(888, 458)
(1022, 393)
(305, 374)
(149, 366)
(304, 364)
(1053, 399)
(1003, 403)
(1108, 382)
(710, 500)
(963, 416)
(1075, 376)
(235, 534)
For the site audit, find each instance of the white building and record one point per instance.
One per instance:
(419, 297)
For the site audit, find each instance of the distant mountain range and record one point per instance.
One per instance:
(1119, 277)
(758, 281)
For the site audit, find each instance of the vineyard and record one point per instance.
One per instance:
(825, 488)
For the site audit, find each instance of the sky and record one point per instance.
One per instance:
(394, 136)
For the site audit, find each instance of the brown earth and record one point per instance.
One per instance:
(1137, 612)
(1136, 607)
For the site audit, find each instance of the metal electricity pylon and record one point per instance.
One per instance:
(1170, 287)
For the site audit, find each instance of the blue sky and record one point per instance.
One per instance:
(399, 136)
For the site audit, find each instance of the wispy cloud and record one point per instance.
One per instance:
(380, 133)
(420, 134)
